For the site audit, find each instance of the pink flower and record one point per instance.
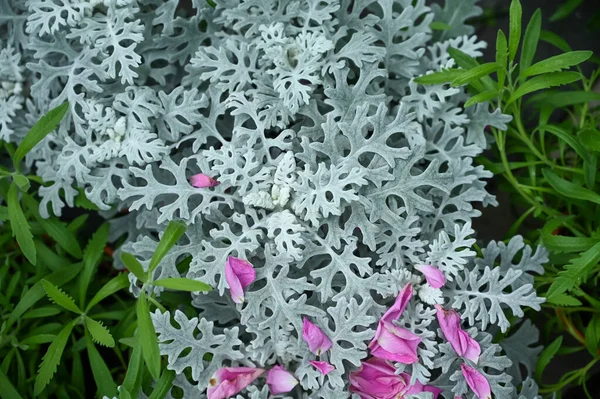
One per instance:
(202, 181)
(460, 340)
(434, 276)
(324, 367)
(228, 381)
(280, 380)
(395, 311)
(239, 274)
(477, 382)
(396, 344)
(316, 339)
(419, 387)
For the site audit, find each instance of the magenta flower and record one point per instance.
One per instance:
(239, 274)
(395, 311)
(477, 382)
(324, 367)
(228, 381)
(280, 380)
(434, 276)
(202, 181)
(316, 339)
(396, 344)
(460, 340)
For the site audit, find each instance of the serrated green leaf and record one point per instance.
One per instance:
(91, 258)
(45, 125)
(563, 300)
(565, 9)
(19, 226)
(183, 284)
(134, 266)
(147, 336)
(438, 78)
(60, 297)
(543, 82)
(51, 359)
(475, 73)
(114, 285)
(557, 63)
(514, 37)
(590, 138)
(592, 335)
(172, 234)
(99, 333)
(568, 189)
(102, 376)
(481, 97)
(575, 273)
(7, 389)
(546, 356)
(530, 40)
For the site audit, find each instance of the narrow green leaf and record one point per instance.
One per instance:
(19, 226)
(481, 97)
(462, 59)
(436, 25)
(530, 40)
(48, 257)
(592, 335)
(7, 389)
(114, 285)
(45, 311)
(183, 284)
(135, 371)
(147, 336)
(590, 138)
(172, 234)
(99, 333)
(134, 266)
(501, 57)
(555, 40)
(565, 244)
(557, 63)
(570, 190)
(563, 299)
(590, 169)
(59, 297)
(438, 78)
(164, 385)
(52, 359)
(546, 356)
(543, 82)
(124, 394)
(565, 9)
(45, 125)
(22, 182)
(38, 339)
(102, 376)
(561, 99)
(575, 273)
(475, 73)
(514, 37)
(567, 137)
(91, 258)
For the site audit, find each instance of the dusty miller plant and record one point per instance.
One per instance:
(338, 174)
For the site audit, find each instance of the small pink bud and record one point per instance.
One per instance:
(396, 344)
(460, 340)
(316, 339)
(324, 367)
(202, 181)
(239, 274)
(228, 381)
(280, 380)
(477, 382)
(434, 276)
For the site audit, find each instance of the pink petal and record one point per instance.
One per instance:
(324, 367)
(460, 340)
(238, 274)
(316, 339)
(376, 379)
(419, 387)
(280, 380)
(395, 311)
(434, 276)
(202, 181)
(396, 344)
(228, 381)
(477, 382)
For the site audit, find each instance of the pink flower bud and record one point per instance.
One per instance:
(202, 181)
(316, 339)
(280, 380)
(228, 381)
(239, 274)
(477, 382)
(324, 367)
(434, 276)
(460, 340)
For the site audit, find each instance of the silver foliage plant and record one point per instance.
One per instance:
(338, 174)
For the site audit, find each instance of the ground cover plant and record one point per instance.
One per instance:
(288, 203)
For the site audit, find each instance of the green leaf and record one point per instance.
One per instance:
(183, 284)
(436, 25)
(481, 97)
(557, 63)
(47, 257)
(575, 273)
(475, 73)
(590, 168)
(530, 40)
(514, 37)
(570, 190)
(563, 300)
(567, 137)
(501, 57)
(82, 201)
(134, 266)
(115, 284)
(19, 226)
(45, 125)
(91, 258)
(22, 182)
(45, 311)
(590, 138)
(7, 389)
(438, 78)
(565, 244)
(172, 234)
(102, 376)
(99, 333)
(546, 356)
(555, 40)
(147, 336)
(38, 339)
(561, 99)
(592, 335)
(544, 82)
(462, 59)
(59, 297)
(52, 359)
(164, 385)
(134, 370)
(565, 9)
